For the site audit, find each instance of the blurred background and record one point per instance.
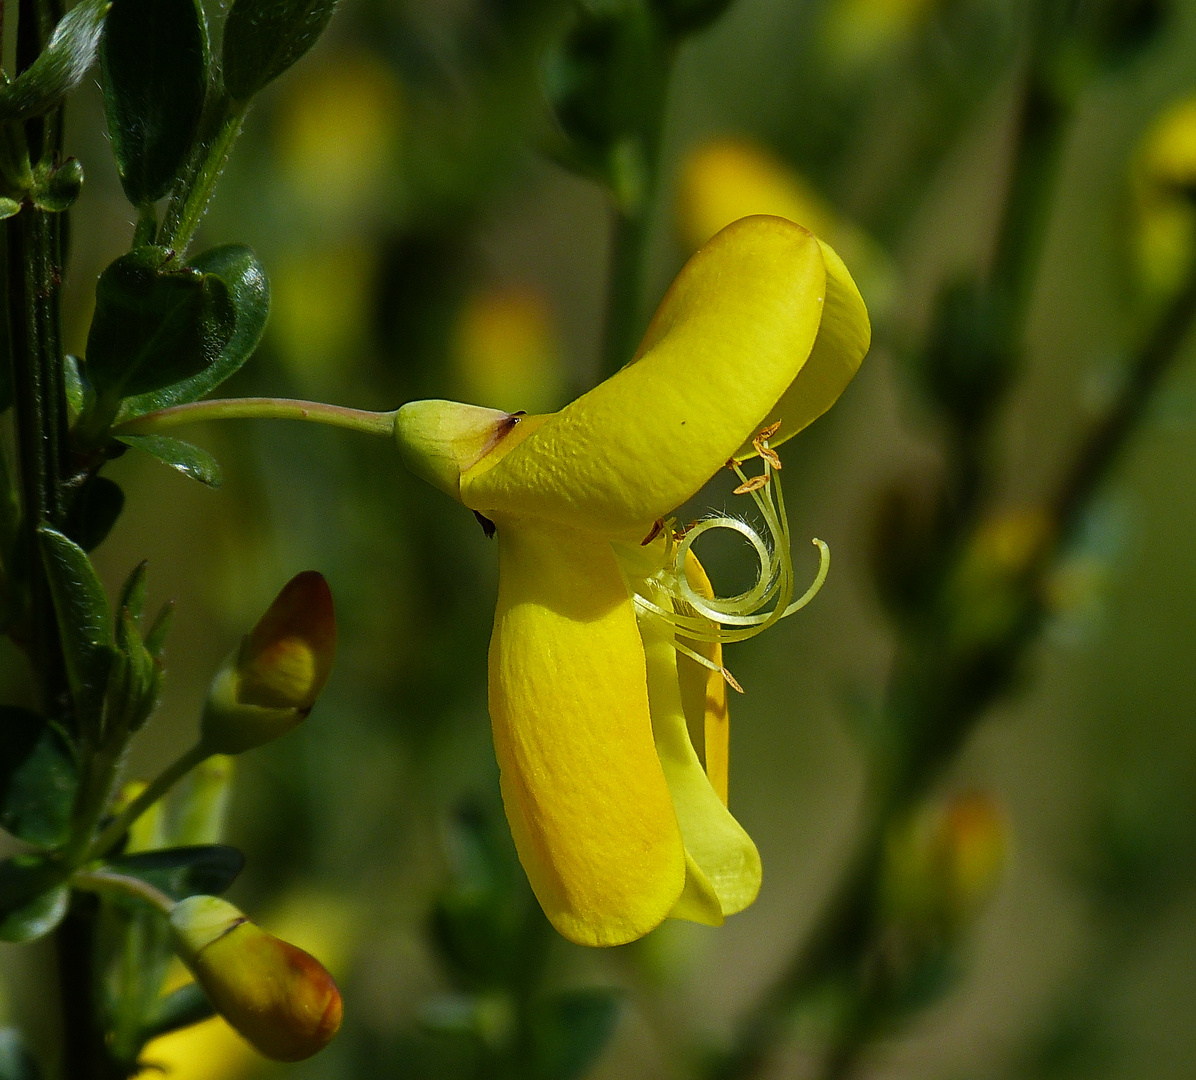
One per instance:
(399, 187)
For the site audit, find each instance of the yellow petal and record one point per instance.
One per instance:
(730, 336)
(584, 791)
(704, 694)
(843, 340)
(716, 842)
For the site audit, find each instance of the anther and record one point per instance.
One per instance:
(754, 484)
(770, 431)
(731, 681)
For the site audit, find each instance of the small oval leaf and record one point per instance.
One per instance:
(84, 620)
(38, 778)
(156, 322)
(199, 870)
(239, 269)
(154, 59)
(262, 38)
(187, 458)
(60, 66)
(33, 899)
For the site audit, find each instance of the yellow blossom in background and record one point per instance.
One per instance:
(1164, 199)
(319, 923)
(338, 133)
(606, 656)
(857, 31)
(320, 312)
(506, 351)
(728, 178)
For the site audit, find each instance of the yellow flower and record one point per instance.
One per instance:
(1164, 187)
(606, 650)
(727, 178)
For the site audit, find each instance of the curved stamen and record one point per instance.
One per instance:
(671, 599)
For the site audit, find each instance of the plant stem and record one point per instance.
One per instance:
(262, 408)
(626, 289)
(105, 881)
(158, 787)
(193, 191)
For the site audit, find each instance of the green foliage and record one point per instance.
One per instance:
(204, 869)
(154, 58)
(33, 899)
(38, 778)
(84, 621)
(179, 1009)
(262, 38)
(238, 267)
(61, 66)
(190, 460)
(16, 1062)
(57, 186)
(93, 511)
(690, 16)
(156, 323)
(570, 1030)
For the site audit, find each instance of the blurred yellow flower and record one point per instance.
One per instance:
(856, 31)
(320, 312)
(606, 651)
(728, 178)
(506, 351)
(1164, 196)
(339, 131)
(944, 864)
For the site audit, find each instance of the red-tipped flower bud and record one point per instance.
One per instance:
(280, 999)
(273, 679)
(945, 863)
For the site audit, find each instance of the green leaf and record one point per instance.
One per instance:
(237, 266)
(190, 460)
(136, 683)
(93, 511)
(77, 389)
(84, 621)
(60, 67)
(156, 322)
(155, 638)
(33, 898)
(199, 870)
(56, 187)
(154, 59)
(38, 778)
(16, 1063)
(179, 1009)
(570, 1031)
(262, 38)
(132, 593)
(8, 207)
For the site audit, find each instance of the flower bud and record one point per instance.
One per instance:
(273, 679)
(1163, 183)
(441, 440)
(943, 865)
(280, 999)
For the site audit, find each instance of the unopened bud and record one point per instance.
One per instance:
(271, 682)
(945, 863)
(439, 441)
(279, 998)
